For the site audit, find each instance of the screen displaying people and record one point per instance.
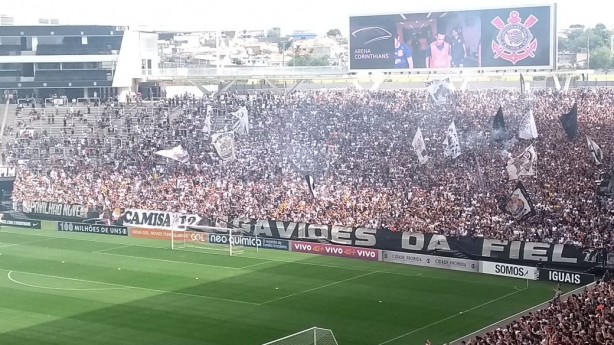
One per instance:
(403, 57)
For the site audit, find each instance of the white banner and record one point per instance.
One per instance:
(431, 261)
(224, 144)
(509, 270)
(159, 219)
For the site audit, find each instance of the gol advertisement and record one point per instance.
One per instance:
(160, 234)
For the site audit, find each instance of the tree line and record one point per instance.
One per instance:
(596, 40)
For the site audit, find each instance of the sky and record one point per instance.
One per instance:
(314, 15)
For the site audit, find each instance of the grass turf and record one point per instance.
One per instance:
(75, 288)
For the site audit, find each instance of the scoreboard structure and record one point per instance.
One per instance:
(486, 39)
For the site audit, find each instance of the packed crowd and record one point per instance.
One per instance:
(586, 318)
(357, 144)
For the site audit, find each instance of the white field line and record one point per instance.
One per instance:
(63, 289)
(136, 287)
(26, 243)
(100, 251)
(451, 317)
(318, 287)
(258, 264)
(170, 261)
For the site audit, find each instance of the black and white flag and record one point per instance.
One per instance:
(224, 144)
(440, 90)
(207, 126)
(595, 151)
(527, 129)
(518, 204)
(241, 126)
(420, 147)
(452, 144)
(523, 165)
(311, 184)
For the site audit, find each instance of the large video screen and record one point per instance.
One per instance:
(501, 38)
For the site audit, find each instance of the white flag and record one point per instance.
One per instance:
(242, 124)
(523, 165)
(420, 147)
(224, 144)
(177, 153)
(452, 148)
(311, 184)
(207, 127)
(595, 151)
(528, 129)
(440, 90)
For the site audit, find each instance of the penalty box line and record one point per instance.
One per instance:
(133, 287)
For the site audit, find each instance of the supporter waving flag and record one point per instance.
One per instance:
(420, 147)
(207, 127)
(528, 129)
(595, 151)
(498, 126)
(224, 143)
(311, 184)
(524, 165)
(242, 124)
(518, 204)
(452, 148)
(177, 153)
(440, 90)
(522, 85)
(570, 122)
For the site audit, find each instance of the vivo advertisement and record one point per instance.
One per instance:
(502, 38)
(334, 250)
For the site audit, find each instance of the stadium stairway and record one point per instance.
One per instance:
(4, 135)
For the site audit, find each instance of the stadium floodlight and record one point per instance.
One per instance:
(211, 238)
(311, 336)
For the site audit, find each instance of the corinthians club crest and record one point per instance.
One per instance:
(515, 42)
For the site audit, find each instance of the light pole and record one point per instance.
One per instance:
(588, 51)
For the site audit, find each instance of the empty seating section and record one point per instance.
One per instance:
(10, 50)
(72, 49)
(9, 76)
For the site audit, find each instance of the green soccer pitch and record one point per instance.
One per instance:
(77, 288)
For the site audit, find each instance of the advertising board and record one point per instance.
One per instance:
(565, 277)
(482, 39)
(431, 261)
(402, 241)
(249, 241)
(93, 228)
(8, 220)
(334, 250)
(508, 270)
(162, 234)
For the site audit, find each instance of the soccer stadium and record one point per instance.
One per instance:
(440, 180)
